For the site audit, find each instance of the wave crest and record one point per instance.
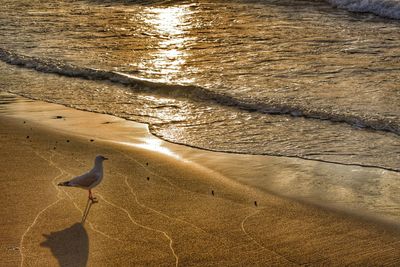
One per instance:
(383, 8)
(194, 93)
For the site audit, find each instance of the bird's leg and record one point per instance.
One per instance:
(93, 199)
(85, 213)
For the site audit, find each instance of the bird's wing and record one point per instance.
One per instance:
(85, 180)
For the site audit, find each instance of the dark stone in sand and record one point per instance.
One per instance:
(147, 164)
(27, 136)
(91, 140)
(54, 148)
(255, 203)
(58, 117)
(67, 141)
(24, 121)
(148, 178)
(212, 192)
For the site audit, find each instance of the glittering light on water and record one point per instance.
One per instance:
(170, 25)
(168, 21)
(153, 144)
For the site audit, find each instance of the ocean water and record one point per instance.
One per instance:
(317, 80)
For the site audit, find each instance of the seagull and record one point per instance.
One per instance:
(90, 179)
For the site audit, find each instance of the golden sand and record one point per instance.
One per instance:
(157, 209)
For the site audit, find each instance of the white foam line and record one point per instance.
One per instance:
(145, 227)
(168, 181)
(91, 224)
(142, 205)
(38, 215)
(156, 211)
(148, 228)
(244, 230)
(156, 175)
(30, 227)
(73, 202)
(149, 208)
(256, 242)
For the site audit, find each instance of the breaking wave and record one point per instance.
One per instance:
(383, 8)
(194, 93)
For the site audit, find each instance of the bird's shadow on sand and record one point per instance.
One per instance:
(70, 246)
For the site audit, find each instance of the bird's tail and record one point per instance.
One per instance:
(64, 184)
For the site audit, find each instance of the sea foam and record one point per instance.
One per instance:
(195, 93)
(383, 8)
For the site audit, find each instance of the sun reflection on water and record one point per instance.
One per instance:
(170, 25)
(168, 20)
(153, 144)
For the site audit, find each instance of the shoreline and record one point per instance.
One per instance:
(157, 208)
(343, 188)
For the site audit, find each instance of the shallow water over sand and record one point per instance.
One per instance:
(363, 191)
(325, 72)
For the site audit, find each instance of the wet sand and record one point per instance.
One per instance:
(157, 209)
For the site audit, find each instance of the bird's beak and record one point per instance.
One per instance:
(105, 158)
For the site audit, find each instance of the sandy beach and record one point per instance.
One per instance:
(238, 133)
(156, 208)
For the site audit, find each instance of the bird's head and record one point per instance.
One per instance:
(100, 158)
